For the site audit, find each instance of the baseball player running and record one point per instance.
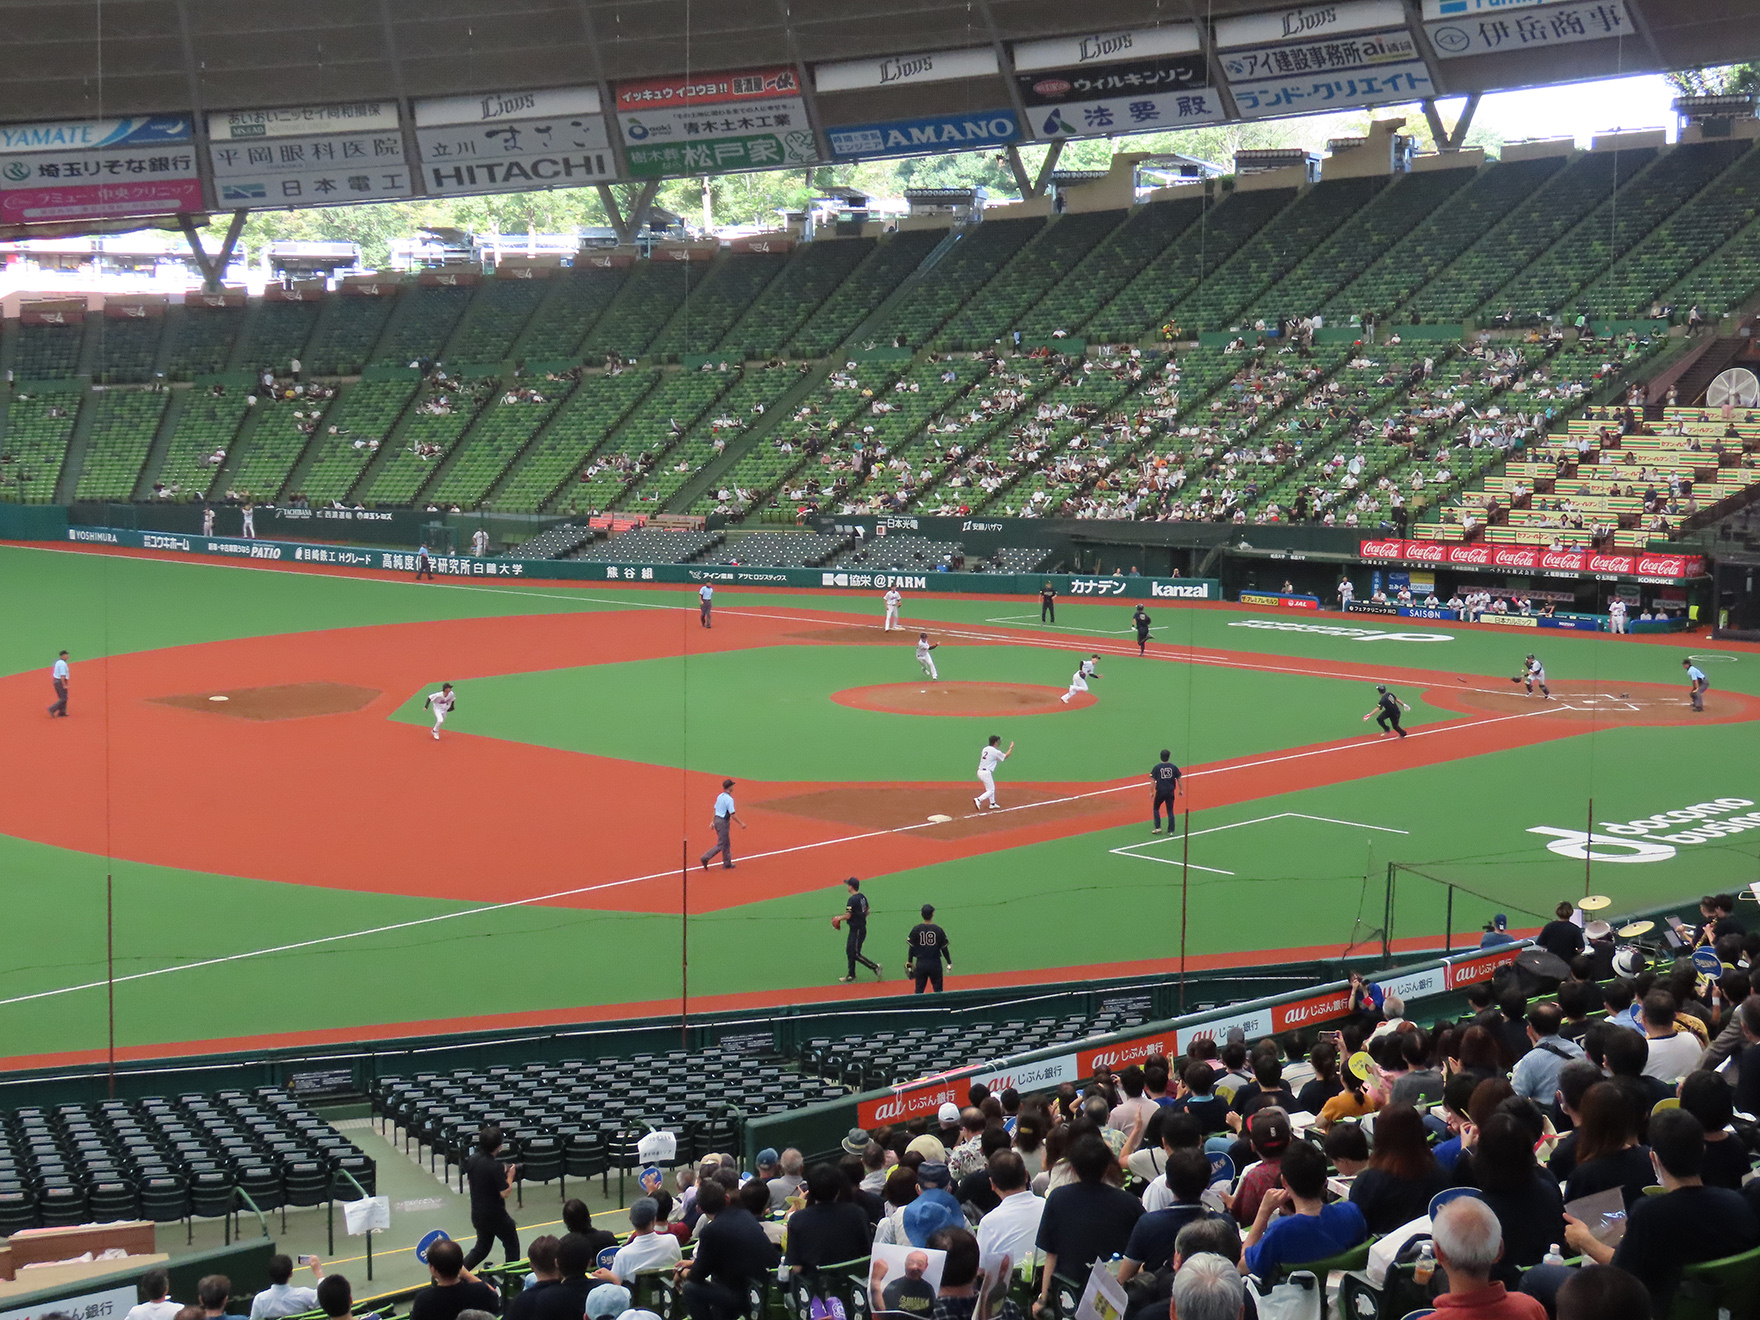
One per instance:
(988, 759)
(1386, 711)
(1089, 668)
(1534, 672)
(441, 703)
(892, 599)
(1696, 677)
(1141, 620)
(924, 646)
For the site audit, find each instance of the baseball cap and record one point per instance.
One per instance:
(855, 1142)
(933, 1173)
(1271, 1130)
(1500, 922)
(607, 1301)
(643, 1211)
(1236, 1036)
(769, 1156)
(948, 1113)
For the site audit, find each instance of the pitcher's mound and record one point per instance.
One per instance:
(942, 697)
(286, 701)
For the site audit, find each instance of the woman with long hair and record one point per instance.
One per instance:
(1402, 1175)
(1323, 1058)
(900, 1190)
(1355, 1100)
(1029, 1140)
(1608, 1153)
(1477, 1052)
(1523, 1196)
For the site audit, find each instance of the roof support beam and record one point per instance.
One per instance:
(1033, 187)
(626, 228)
(1445, 139)
(213, 268)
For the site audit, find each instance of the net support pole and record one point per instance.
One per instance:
(110, 977)
(1589, 849)
(1448, 925)
(684, 944)
(1387, 919)
(1185, 877)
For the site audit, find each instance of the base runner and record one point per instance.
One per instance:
(924, 646)
(1387, 709)
(1078, 682)
(441, 703)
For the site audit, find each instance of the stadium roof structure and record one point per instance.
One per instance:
(132, 57)
(117, 112)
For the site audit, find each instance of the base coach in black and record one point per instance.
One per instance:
(927, 951)
(1164, 774)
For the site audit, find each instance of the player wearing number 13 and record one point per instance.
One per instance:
(1164, 774)
(928, 949)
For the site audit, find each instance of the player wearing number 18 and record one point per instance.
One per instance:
(928, 949)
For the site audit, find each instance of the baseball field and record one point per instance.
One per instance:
(303, 862)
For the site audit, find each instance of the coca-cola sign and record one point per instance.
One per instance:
(1382, 549)
(1561, 559)
(1426, 553)
(1469, 554)
(1506, 556)
(1532, 557)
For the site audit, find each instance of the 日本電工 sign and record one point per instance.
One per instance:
(308, 155)
(88, 169)
(513, 141)
(1106, 100)
(911, 137)
(1494, 32)
(749, 119)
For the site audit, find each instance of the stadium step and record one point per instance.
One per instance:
(143, 486)
(1717, 355)
(68, 482)
(870, 324)
(747, 440)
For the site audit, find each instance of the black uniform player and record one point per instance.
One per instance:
(1141, 619)
(927, 951)
(856, 914)
(1164, 774)
(1047, 604)
(1387, 709)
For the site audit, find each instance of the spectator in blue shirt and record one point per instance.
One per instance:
(1311, 1230)
(1536, 1072)
(1497, 933)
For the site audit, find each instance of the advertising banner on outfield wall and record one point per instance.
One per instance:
(1107, 100)
(513, 141)
(315, 155)
(1480, 554)
(918, 137)
(1537, 29)
(89, 169)
(743, 119)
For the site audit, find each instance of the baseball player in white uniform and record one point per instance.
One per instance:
(924, 646)
(249, 531)
(988, 759)
(480, 542)
(441, 703)
(1534, 672)
(1089, 668)
(1616, 615)
(892, 599)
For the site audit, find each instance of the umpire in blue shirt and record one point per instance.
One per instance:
(725, 816)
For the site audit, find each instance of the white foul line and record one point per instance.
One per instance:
(1130, 849)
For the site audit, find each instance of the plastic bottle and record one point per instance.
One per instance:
(1426, 1265)
(1553, 1256)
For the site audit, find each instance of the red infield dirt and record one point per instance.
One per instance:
(354, 800)
(941, 697)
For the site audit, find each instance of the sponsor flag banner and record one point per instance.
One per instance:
(1109, 100)
(513, 141)
(90, 169)
(902, 70)
(913, 137)
(1479, 554)
(308, 155)
(1097, 48)
(1494, 32)
(749, 119)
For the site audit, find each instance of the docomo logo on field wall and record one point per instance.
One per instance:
(1532, 557)
(1643, 840)
(1334, 630)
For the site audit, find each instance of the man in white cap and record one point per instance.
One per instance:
(948, 1119)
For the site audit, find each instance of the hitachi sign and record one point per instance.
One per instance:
(542, 169)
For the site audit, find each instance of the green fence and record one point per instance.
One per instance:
(465, 566)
